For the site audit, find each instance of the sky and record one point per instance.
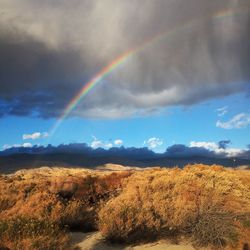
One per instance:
(122, 73)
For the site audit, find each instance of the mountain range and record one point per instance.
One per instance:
(81, 155)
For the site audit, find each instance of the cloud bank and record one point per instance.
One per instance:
(50, 49)
(217, 149)
(194, 150)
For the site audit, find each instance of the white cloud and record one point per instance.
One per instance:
(96, 143)
(222, 111)
(25, 145)
(118, 142)
(212, 146)
(153, 142)
(238, 121)
(35, 136)
(99, 144)
(207, 145)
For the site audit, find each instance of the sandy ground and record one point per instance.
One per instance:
(94, 241)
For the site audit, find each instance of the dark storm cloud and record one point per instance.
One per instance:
(49, 49)
(180, 150)
(35, 77)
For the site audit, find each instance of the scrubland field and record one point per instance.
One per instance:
(207, 205)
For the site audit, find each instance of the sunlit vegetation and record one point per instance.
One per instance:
(28, 233)
(209, 205)
(38, 207)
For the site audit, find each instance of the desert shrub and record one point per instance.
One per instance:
(246, 223)
(63, 196)
(174, 202)
(56, 198)
(94, 189)
(124, 205)
(28, 233)
(128, 223)
(74, 214)
(6, 203)
(215, 228)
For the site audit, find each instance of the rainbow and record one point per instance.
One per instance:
(90, 85)
(125, 56)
